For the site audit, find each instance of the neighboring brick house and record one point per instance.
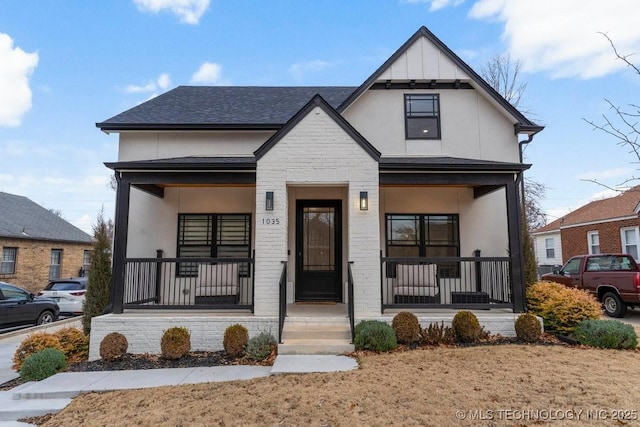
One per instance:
(37, 245)
(235, 203)
(603, 226)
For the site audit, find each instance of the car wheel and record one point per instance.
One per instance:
(613, 305)
(45, 317)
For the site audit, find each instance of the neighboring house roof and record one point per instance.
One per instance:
(622, 206)
(22, 218)
(222, 107)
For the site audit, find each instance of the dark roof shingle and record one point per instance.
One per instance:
(24, 219)
(223, 106)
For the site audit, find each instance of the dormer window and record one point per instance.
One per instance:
(422, 116)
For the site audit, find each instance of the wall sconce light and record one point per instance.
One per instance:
(364, 201)
(269, 203)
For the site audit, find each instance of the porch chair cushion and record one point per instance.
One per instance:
(417, 280)
(217, 280)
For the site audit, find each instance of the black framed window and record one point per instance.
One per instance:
(213, 236)
(424, 235)
(8, 265)
(422, 116)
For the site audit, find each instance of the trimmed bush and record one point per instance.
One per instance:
(562, 308)
(113, 346)
(260, 346)
(466, 327)
(74, 344)
(528, 327)
(235, 340)
(436, 334)
(33, 344)
(175, 343)
(406, 327)
(606, 334)
(43, 364)
(374, 335)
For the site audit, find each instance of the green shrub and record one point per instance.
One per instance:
(528, 327)
(466, 327)
(235, 340)
(406, 327)
(606, 334)
(562, 308)
(175, 343)
(260, 346)
(43, 364)
(74, 344)
(436, 334)
(33, 344)
(113, 346)
(374, 335)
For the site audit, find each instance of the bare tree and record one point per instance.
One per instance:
(622, 123)
(504, 76)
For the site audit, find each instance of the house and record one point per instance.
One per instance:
(247, 204)
(37, 245)
(602, 226)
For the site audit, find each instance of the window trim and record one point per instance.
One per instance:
(13, 263)
(623, 242)
(422, 239)
(213, 237)
(51, 265)
(590, 244)
(552, 248)
(437, 116)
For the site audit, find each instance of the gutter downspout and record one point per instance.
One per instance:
(520, 185)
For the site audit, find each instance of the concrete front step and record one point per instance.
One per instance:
(301, 347)
(314, 335)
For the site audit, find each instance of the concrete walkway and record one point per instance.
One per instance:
(54, 393)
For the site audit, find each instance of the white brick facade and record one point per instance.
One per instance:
(318, 152)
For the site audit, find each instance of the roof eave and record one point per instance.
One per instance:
(118, 127)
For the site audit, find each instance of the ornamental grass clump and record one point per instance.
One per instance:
(528, 328)
(261, 346)
(113, 346)
(235, 340)
(375, 335)
(43, 364)
(606, 334)
(438, 334)
(175, 343)
(406, 327)
(33, 344)
(561, 308)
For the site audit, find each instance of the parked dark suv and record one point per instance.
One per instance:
(19, 307)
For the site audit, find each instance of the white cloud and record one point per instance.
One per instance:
(162, 82)
(606, 174)
(189, 11)
(16, 67)
(298, 70)
(436, 4)
(561, 37)
(208, 73)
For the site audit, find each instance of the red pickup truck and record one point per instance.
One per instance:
(613, 278)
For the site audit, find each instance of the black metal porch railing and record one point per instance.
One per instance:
(446, 282)
(282, 313)
(350, 302)
(198, 283)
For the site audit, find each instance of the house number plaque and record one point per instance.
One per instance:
(270, 221)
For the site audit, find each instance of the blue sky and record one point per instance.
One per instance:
(65, 65)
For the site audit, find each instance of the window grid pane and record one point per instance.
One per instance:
(422, 118)
(56, 261)
(8, 265)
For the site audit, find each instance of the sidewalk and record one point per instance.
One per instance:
(51, 395)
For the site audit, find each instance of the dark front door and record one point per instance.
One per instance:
(318, 250)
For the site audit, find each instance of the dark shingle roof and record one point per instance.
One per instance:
(232, 107)
(21, 218)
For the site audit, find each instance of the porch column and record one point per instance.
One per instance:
(120, 242)
(515, 247)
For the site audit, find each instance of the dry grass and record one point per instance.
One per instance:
(421, 387)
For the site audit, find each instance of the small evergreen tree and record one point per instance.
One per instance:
(98, 295)
(529, 255)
